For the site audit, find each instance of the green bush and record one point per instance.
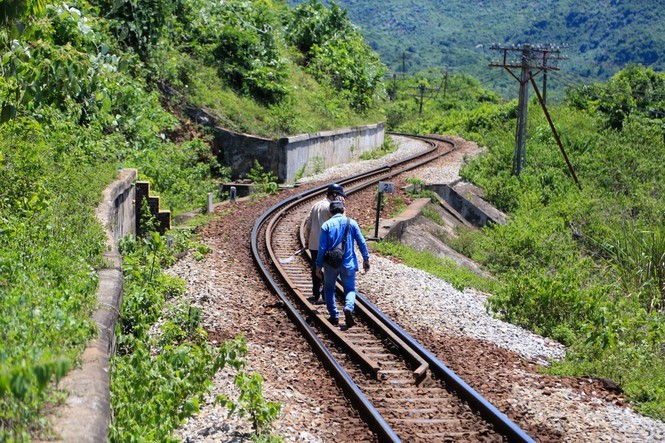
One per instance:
(335, 52)
(585, 267)
(248, 50)
(159, 379)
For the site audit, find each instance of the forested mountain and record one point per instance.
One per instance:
(602, 35)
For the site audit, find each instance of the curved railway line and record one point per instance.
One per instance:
(399, 388)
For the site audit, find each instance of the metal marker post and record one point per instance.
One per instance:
(383, 187)
(378, 210)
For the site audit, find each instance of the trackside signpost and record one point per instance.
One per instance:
(388, 187)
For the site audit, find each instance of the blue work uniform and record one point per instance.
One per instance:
(331, 235)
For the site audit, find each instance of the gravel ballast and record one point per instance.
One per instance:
(500, 360)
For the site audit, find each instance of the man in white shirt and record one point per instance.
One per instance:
(318, 215)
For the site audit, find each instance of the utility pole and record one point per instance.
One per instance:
(444, 84)
(422, 89)
(531, 60)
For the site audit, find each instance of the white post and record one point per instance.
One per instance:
(209, 203)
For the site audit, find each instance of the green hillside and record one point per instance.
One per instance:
(584, 266)
(602, 36)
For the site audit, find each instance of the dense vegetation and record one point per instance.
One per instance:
(584, 267)
(602, 36)
(81, 91)
(159, 379)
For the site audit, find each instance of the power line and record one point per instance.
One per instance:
(530, 60)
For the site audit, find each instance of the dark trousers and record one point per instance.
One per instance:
(316, 281)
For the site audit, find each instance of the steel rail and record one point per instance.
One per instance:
(490, 413)
(376, 422)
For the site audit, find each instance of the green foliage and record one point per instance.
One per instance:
(466, 241)
(13, 11)
(416, 185)
(138, 24)
(634, 90)
(388, 147)
(433, 215)
(182, 173)
(248, 50)
(603, 37)
(251, 402)
(49, 243)
(638, 257)
(335, 52)
(264, 182)
(80, 92)
(465, 108)
(160, 379)
(584, 267)
(38, 72)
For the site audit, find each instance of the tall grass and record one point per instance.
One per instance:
(638, 257)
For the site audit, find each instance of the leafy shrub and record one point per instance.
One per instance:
(264, 182)
(49, 242)
(182, 173)
(160, 379)
(248, 53)
(139, 24)
(335, 52)
(251, 402)
(634, 90)
(584, 267)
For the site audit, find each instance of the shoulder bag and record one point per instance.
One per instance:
(334, 257)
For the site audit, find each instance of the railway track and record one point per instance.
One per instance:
(400, 389)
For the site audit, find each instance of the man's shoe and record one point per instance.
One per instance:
(348, 318)
(334, 321)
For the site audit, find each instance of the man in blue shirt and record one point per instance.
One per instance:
(332, 233)
(318, 215)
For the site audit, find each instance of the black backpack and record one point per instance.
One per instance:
(333, 257)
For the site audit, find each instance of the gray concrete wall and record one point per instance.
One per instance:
(467, 200)
(289, 156)
(238, 151)
(312, 153)
(86, 414)
(121, 213)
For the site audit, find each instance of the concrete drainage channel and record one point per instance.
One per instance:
(86, 414)
(462, 200)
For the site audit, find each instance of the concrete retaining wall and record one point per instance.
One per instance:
(466, 199)
(289, 156)
(312, 153)
(86, 415)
